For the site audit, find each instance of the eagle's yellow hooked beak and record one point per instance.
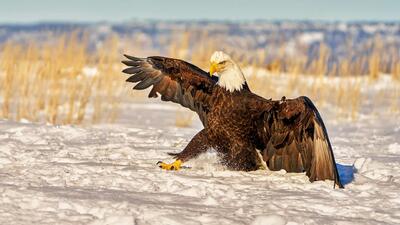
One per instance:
(213, 69)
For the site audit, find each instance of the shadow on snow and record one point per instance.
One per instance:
(346, 173)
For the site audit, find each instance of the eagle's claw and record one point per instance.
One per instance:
(173, 166)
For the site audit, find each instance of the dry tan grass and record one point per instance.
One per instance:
(373, 59)
(60, 82)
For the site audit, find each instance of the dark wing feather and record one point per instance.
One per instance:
(296, 140)
(175, 80)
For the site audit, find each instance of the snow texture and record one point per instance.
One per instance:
(106, 174)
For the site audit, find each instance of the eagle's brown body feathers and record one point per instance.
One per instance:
(289, 134)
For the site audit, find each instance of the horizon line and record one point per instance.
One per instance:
(133, 20)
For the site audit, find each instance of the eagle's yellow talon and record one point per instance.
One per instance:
(172, 166)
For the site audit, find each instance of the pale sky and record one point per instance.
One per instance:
(30, 11)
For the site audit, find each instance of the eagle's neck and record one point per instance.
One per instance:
(232, 78)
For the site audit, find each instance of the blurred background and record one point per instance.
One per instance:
(60, 60)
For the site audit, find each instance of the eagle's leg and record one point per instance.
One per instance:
(196, 146)
(242, 157)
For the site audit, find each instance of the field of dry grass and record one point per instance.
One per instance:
(64, 82)
(60, 82)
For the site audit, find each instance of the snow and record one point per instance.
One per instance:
(310, 37)
(394, 148)
(106, 174)
(269, 219)
(90, 71)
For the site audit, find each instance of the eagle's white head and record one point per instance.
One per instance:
(230, 75)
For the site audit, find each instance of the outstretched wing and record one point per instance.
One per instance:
(175, 80)
(296, 140)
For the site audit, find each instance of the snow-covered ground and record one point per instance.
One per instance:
(106, 174)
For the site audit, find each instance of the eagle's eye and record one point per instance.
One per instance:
(222, 63)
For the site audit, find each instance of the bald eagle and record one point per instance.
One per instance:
(247, 131)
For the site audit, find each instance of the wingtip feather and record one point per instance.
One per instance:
(132, 57)
(126, 70)
(126, 62)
